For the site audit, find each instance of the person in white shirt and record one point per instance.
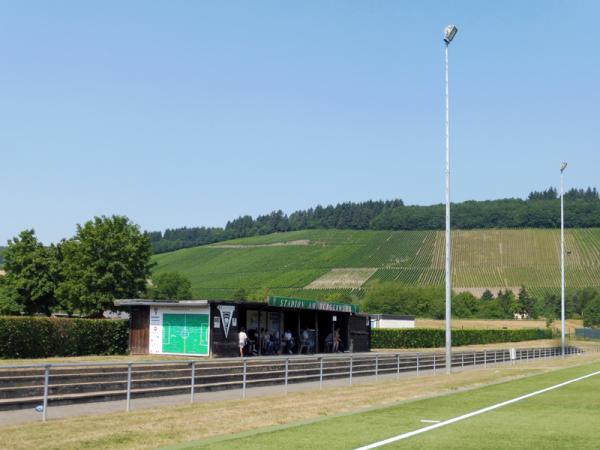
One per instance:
(288, 339)
(242, 339)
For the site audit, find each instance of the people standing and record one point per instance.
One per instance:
(242, 340)
(337, 339)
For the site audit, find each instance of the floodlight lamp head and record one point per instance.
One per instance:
(449, 33)
(563, 166)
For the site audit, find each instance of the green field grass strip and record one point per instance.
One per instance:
(474, 413)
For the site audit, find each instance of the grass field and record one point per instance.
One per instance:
(570, 325)
(294, 263)
(162, 426)
(567, 417)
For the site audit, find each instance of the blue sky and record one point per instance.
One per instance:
(192, 113)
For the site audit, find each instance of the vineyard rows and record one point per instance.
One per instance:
(481, 258)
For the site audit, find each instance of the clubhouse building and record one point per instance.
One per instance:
(211, 327)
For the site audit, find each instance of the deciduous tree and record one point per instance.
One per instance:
(109, 258)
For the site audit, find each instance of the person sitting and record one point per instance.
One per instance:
(306, 341)
(275, 342)
(267, 345)
(329, 342)
(288, 342)
(252, 342)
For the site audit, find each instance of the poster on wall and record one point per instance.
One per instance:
(155, 331)
(179, 332)
(226, 317)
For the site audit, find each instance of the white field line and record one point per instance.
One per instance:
(474, 413)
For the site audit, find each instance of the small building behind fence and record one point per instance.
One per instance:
(212, 327)
(391, 321)
(587, 333)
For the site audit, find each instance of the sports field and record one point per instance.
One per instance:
(566, 417)
(312, 263)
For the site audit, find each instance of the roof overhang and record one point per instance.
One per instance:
(171, 303)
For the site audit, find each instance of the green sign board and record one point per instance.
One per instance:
(301, 303)
(185, 333)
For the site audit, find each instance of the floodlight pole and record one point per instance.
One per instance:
(448, 239)
(562, 260)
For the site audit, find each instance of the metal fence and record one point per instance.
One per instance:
(43, 384)
(587, 333)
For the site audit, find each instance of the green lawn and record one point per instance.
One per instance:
(568, 417)
(482, 258)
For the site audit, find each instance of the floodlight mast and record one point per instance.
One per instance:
(449, 33)
(563, 166)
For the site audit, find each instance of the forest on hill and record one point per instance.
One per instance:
(540, 210)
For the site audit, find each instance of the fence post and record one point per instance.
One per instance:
(462, 360)
(193, 381)
(46, 382)
(434, 368)
(495, 356)
(244, 376)
(398, 365)
(376, 367)
(287, 362)
(321, 372)
(128, 404)
(350, 370)
(485, 359)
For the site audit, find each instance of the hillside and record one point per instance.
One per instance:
(540, 210)
(313, 263)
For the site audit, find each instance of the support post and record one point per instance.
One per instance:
(287, 362)
(350, 370)
(244, 377)
(398, 365)
(45, 402)
(193, 382)
(562, 262)
(485, 359)
(321, 372)
(376, 368)
(448, 236)
(128, 403)
(418, 358)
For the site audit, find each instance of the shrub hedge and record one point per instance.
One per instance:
(429, 337)
(41, 337)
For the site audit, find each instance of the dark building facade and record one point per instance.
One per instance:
(211, 327)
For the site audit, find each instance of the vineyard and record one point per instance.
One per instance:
(311, 262)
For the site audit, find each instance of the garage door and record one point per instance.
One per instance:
(185, 334)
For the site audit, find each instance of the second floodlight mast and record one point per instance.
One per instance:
(449, 33)
(563, 166)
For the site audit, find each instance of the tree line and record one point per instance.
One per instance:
(540, 210)
(108, 258)
(393, 298)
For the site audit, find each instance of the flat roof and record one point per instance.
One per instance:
(186, 303)
(273, 303)
(143, 302)
(391, 317)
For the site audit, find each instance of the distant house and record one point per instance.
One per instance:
(523, 316)
(2, 273)
(392, 321)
